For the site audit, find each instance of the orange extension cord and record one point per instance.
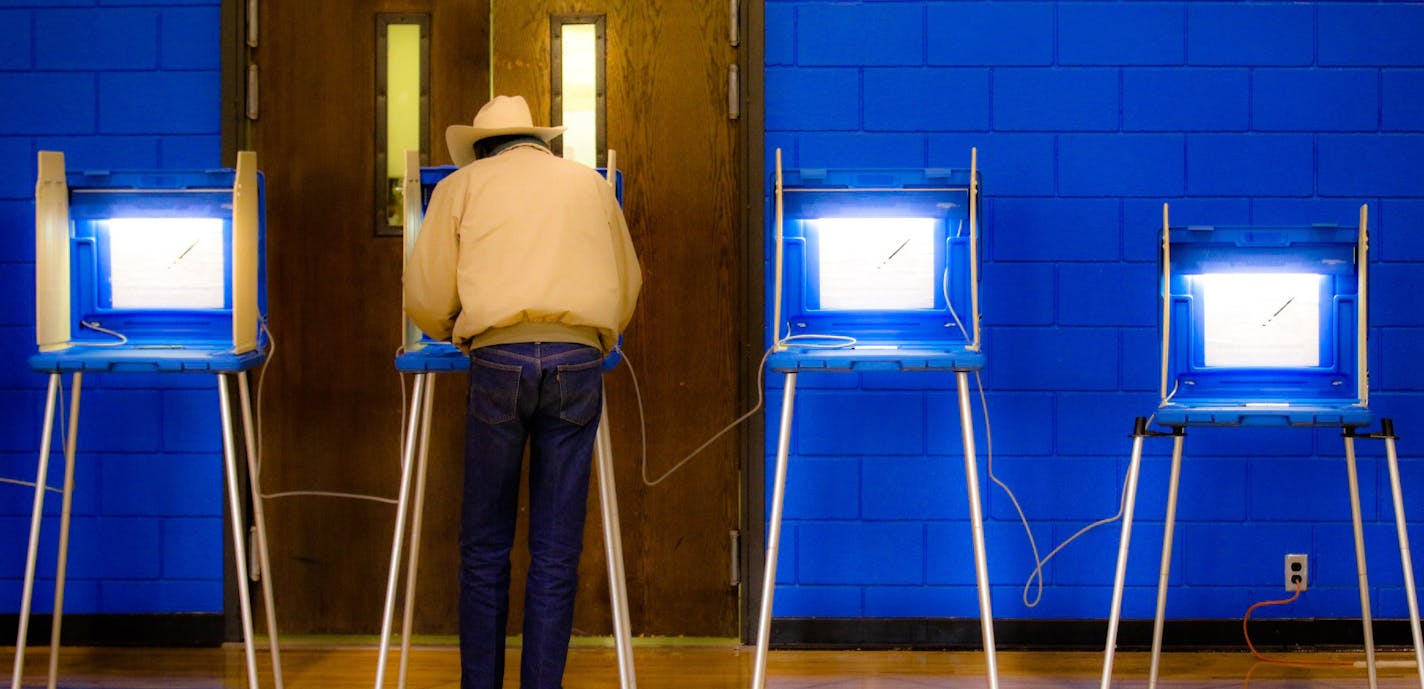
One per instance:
(1246, 632)
(1280, 661)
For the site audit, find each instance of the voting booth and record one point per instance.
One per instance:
(1263, 327)
(150, 272)
(880, 256)
(423, 357)
(875, 270)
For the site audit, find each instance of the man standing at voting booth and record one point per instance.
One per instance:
(525, 262)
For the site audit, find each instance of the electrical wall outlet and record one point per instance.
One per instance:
(1297, 572)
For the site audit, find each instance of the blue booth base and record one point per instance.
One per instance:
(434, 357)
(443, 357)
(863, 359)
(140, 358)
(1295, 414)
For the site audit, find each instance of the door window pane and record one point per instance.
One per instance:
(578, 47)
(402, 108)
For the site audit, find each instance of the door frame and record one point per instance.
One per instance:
(236, 56)
(751, 59)
(236, 136)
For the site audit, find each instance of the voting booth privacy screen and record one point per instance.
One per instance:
(882, 256)
(151, 265)
(1262, 316)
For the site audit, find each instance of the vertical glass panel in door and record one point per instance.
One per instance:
(402, 98)
(578, 47)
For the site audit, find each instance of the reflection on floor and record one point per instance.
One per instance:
(309, 665)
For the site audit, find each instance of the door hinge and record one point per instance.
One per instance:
(734, 97)
(254, 563)
(252, 92)
(734, 22)
(252, 23)
(735, 537)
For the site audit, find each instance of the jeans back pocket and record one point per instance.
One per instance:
(580, 391)
(494, 390)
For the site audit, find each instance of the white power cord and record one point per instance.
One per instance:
(808, 341)
(1035, 578)
(256, 451)
(123, 339)
(28, 484)
(62, 434)
(1037, 574)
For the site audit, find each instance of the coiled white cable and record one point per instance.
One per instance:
(123, 339)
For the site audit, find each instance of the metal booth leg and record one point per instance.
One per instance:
(1166, 567)
(1119, 578)
(773, 533)
(412, 568)
(33, 551)
(66, 503)
(613, 547)
(417, 404)
(976, 525)
(1400, 526)
(1360, 563)
(1360, 560)
(264, 561)
(238, 542)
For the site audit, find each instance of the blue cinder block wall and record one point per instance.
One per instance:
(113, 84)
(1088, 116)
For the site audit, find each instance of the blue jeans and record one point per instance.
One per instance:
(552, 395)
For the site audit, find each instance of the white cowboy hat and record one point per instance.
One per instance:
(502, 116)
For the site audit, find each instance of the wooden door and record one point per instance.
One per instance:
(666, 76)
(332, 403)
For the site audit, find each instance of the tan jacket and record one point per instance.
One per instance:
(523, 246)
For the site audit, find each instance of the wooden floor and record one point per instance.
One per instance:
(308, 666)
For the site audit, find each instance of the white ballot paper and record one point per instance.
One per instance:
(166, 263)
(876, 263)
(1261, 320)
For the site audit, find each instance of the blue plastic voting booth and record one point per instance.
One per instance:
(875, 270)
(149, 272)
(1263, 326)
(424, 356)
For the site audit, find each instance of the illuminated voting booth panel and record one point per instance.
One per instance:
(152, 271)
(424, 356)
(886, 257)
(162, 264)
(1264, 327)
(874, 270)
(148, 270)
